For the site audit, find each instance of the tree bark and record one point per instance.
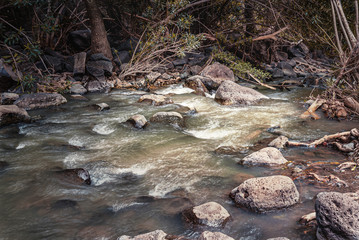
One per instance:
(99, 41)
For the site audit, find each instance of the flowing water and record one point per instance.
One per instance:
(143, 179)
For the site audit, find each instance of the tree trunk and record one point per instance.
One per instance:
(249, 18)
(99, 42)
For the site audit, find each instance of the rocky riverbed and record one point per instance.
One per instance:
(114, 165)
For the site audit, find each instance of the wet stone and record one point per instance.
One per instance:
(265, 157)
(155, 235)
(156, 100)
(64, 203)
(206, 235)
(75, 176)
(8, 98)
(168, 117)
(210, 214)
(138, 121)
(101, 106)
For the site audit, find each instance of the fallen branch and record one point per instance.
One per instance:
(270, 36)
(311, 110)
(260, 83)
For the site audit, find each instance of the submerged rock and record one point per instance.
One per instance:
(3, 165)
(279, 142)
(268, 156)
(215, 74)
(8, 98)
(264, 194)
(40, 100)
(196, 83)
(138, 121)
(156, 100)
(230, 93)
(168, 117)
(155, 235)
(337, 215)
(64, 203)
(79, 97)
(210, 214)
(206, 235)
(75, 176)
(10, 114)
(186, 110)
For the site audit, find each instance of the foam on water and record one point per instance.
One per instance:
(76, 141)
(175, 89)
(119, 206)
(103, 129)
(24, 144)
(74, 160)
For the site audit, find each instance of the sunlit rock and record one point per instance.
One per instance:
(210, 214)
(206, 235)
(155, 235)
(268, 156)
(138, 121)
(230, 93)
(156, 100)
(215, 74)
(10, 114)
(39, 100)
(168, 117)
(337, 215)
(264, 194)
(279, 142)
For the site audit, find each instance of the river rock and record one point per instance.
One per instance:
(138, 121)
(98, 86)
(75, 176)
(78, 89)
(210, 214)
(186, 110)
(101, 106)
(264, 194)
(168, 117)
(216, 73)
(8, 98)
(196, 84)
(277, 73)
(279, 142)
(153, 76)
(230, 93)
(337, 215)
(278, 238)
(268, 156)
(155, 235)
(39, 100)
(156, 100)
(79, 97)
(287, 69)
(10, 114)
(206, 235)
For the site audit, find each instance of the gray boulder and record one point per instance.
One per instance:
(196, 83)
(39, 100)
(8, 98)
(10, 114)
(277, 73)
(278, 238)
(99, 66)
(230, 93)
(155, 235)
(287, 69)
(168, 117)
(215, 74)
(210, 214)
(337, 216)
(265, 194)
(279, 142)
(206, 235)
(78, 89)
(268, 156)
(98, 86)
(156, 100)
(138, 121)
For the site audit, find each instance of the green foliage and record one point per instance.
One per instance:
(27, 83)
(28, 3)
(240, 68)
(33, 51)
(11, 60)
(14, 37)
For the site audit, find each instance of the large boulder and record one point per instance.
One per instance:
(78, 89)
(264, 194)
(8, 98)
(79, 40)
(230, 93)
(268, 156)
(210, 214)
(99, 66)
(337, 216)
(168, 117)
(215, 74)
(39, 100)
(98, 86)
(206, 235)
(155, 235)
(13, 114)
(156, 100)
(196, 84)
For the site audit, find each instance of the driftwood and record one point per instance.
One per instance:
(326, 138)
(328, 179)
(308, 218)
(271, 36)
(260, 83)
(311, 110)
(352, 104)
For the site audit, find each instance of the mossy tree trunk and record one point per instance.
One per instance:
(99, 41)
